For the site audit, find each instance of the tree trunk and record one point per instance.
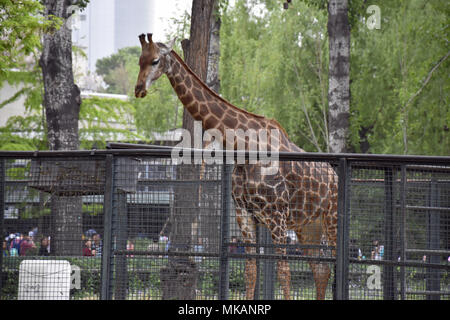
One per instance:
(196, 49)
(62, 106)
(212, 75)
(339, 75)
(179, 279)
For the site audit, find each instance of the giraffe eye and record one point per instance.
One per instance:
(155, 62)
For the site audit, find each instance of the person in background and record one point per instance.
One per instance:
(26, 245)
(199, 247)
(153, 246)
(43, 249)
(240, 247)
(375, 255)
(130, 247)
(5, 250)
(97, 245)
(14, 249)
(233, 247)
(87, 252)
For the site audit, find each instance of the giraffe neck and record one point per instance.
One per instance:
(213, 111)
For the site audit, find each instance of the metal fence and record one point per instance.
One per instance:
(132, 224)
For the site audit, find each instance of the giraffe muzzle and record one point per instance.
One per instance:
(140, 91)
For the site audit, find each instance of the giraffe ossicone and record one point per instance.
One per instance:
(300, 196)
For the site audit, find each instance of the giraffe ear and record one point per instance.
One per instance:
(169, 45)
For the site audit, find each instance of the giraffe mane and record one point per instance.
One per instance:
(209, 89)
(213, 93)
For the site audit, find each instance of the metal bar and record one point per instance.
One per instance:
(2, 214)
(401, 264)
(269, 271)
(287, 156)
(428, 293)
(120, 145)
(230, 255)
(342, 256)
(224, 276)
(429, 251)
(433, 276)
(388, 272)
(120, 233)
(256, 295)
(177, 182)
(288, 246)
(403, 231)
(106, 270)
(431, 209)
(349, 156)
(289, 257)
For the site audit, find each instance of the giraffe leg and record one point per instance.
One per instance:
(279, 236)
(311, 234)
(284, 276)
(321, 274)
(250, 278)
(248, 230)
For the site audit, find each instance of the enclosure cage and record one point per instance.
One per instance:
(127, 223)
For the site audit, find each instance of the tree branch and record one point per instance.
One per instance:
(427, 79)
(404, 108)
(305, 111)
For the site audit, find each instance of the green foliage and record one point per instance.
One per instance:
(275, 63)
(160, 110)
(21, 24)
(119, 70)
(388, 67)
(105, 119)
(24, 132)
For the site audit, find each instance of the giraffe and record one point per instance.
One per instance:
(300, 196)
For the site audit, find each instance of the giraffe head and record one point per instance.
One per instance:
(153, 63)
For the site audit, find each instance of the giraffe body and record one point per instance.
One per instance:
(301, 196)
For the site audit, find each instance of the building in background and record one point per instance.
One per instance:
(100, 30)
(105, 26)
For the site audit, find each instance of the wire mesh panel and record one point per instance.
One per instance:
(167, 231)
(399, 232)
(286, 224)
(52, 224)
(136, 225)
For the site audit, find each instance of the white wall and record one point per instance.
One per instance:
(16, 108)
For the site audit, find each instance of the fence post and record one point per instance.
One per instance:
(342, 256)
(433, 238)
(269, 272)
(403, 231)
(2, 213)
(224, 274)
(120, 230)
(256, 295)
(388, 270)
(106, 270)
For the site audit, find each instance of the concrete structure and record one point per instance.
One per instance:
(106, 26)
